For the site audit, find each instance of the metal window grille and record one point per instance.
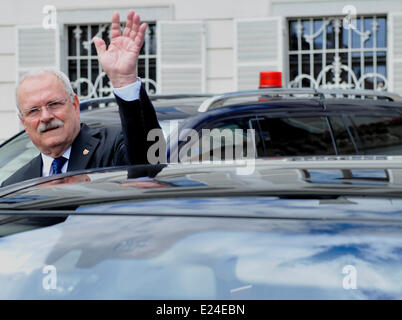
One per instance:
(332, 52)
(84, 70)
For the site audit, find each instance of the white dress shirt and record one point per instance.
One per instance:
(47, 163)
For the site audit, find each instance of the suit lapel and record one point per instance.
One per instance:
(82, 149)
(35, 169)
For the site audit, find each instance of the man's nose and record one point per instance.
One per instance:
(45, 115)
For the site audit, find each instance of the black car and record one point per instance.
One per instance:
(272, 123)
(295, 228)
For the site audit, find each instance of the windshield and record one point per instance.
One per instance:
(14, 154)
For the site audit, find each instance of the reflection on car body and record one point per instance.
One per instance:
(202, 232)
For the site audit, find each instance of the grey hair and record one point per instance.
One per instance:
(65, 81)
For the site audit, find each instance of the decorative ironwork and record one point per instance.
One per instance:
(338, 56)
(310, 37)
(96, 90)
(336, 68)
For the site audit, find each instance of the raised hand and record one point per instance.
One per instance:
(119, 61)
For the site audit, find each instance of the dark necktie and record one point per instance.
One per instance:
(57, 164)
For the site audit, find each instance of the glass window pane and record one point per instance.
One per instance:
(95, 67)
(342, 138)
(317, 64)
(72, 70)
(94, 31)
(152, 38)
(344, 38)
(306, 68)
(72, 48)
(152, 74)
(223, 142)
(377, 135)
(382, 33)
(293, 66)
(318, 41)
(306, 31)
(330, 36)
(355, 36)
(83, 39)
(16, 154)
(356, 67)
(368, 26)
(293, 36)
(293, 137)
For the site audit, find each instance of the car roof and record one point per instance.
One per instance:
(241, 103)
(167, 107)
(297, 93)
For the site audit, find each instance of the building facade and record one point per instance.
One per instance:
(207, 46)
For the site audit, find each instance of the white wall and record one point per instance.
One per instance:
(8, 113)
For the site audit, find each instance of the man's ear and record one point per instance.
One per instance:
(76, 104)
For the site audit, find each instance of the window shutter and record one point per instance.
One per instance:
(394, 63)
(37, 47)
(181, 57)
(259, 47)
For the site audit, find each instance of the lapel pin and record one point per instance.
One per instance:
(85, 152)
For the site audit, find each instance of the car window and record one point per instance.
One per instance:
(377, 135)
(168, 126)
(292, 136)
(227, 139)
(345, 144)
(15, 154)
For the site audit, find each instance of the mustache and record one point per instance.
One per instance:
(50, 125)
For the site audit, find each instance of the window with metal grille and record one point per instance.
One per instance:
(331, 52)
(84, 69)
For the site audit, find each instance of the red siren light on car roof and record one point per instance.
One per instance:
(270, 79)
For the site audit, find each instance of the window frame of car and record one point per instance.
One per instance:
(250, 111)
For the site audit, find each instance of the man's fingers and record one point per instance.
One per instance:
(100, 45)
(136, 22)
(129, 24)
(135, 27)
(116, 30)
(140, 35)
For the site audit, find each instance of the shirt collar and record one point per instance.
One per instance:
(47, 162)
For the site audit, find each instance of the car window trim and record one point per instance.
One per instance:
(350, 134)
(331, 132)
(257, 119)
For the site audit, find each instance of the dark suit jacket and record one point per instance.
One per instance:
(107, 146)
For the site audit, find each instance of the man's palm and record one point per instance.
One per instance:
(119, 61)
(121, 56)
